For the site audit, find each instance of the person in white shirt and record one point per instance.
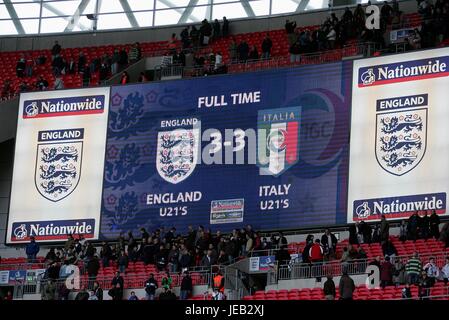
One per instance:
(445, 271)
(218, 60)
(432, 270)
(92, 296)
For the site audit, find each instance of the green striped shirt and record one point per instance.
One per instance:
(413, 266)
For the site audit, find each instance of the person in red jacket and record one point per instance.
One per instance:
(316, 252)
(386, 273)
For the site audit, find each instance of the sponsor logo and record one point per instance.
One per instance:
(177, 151)
(52, 230)
(58, 164)
(398, 207)
(403, 71)
(401, 135)
(226, 211)
(63, 107)
(278, 140)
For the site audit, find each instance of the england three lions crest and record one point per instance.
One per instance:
(58, 162)
(177, 153)
(401, 138)
(278, 140)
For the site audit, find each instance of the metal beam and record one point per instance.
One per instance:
(188, 11)
(76, 17)
(209, 10)
(59, 13)
(248, 9)
(170, 4)
(302, 4)
(129, 14)
(15, 18)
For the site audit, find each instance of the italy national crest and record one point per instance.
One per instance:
(278, 140)
(58, 168)
(401, 139)
(177, 154)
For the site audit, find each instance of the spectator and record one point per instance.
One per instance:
(51, 255)
(135, 53)
(295, 53)
(329, 288)
(290, 27)
(384, 229)
(406, 292)
(329, 242)
(32, 249)
(353, 239)
(207, 260)
(219, 282)
(186, 286)
(59, 83)
(217, 31)
(71, 67)
(412, 227)
(117, 287)
(434, 221)
(92, 296)
(123, 60)
(185, 39)
(433, 273)
(167, 295)
(399, 273)
(58, 65)
(23, 87)
(267, 44)
(424, 226)
(413, 269)
(243, 51)
(389, 249)
(7, 90)
(133, 297)
(386, 273)
(166, 282)
(106, 254)
(445, 271)
(346, 286)
(249, 244)
(424, 286)
(205, 32)
(225, 28)
(173, 43)
(41, 83)
(86, 76)
(123, 261)
(29, 66)
(254, 54)
(82, 295)
(316, 252)
(49, 292)
(98, 291)
(194, 36)
(8, 296)
(82, 61)
(233, 50)
(104, 72)
(403, 231)
(125, 78)
(150, 287)
(56, 49)
(20, 67)
(218, 61)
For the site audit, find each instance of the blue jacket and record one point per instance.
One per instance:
(32, 248)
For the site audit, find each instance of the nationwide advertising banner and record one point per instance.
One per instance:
(399, 152)
(268, 149)
(58, 165)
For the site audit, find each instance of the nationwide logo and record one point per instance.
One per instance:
(398, 207)
(278, 140)
(403, 71)
(69, 106)
(401, 134)
(58, 162)
(52, 230)
(177, 150)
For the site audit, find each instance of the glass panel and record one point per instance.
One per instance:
(166, 17)
(231, 11)
(110, 6)
(86, 23)
(113, 21)
(65, 8)
(51, 25)
(198, 14)
(283, 6)
(30, 25)
(261, 7)
(317, 4)
(141, 4)
(144, 19)
(4, 14)
(162, 4)
(7, 27)
(29, 10)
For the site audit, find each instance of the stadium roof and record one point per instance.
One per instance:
(23, 17)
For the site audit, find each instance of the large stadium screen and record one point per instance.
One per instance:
(399, 151)
(58, 165)
(268, 149)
